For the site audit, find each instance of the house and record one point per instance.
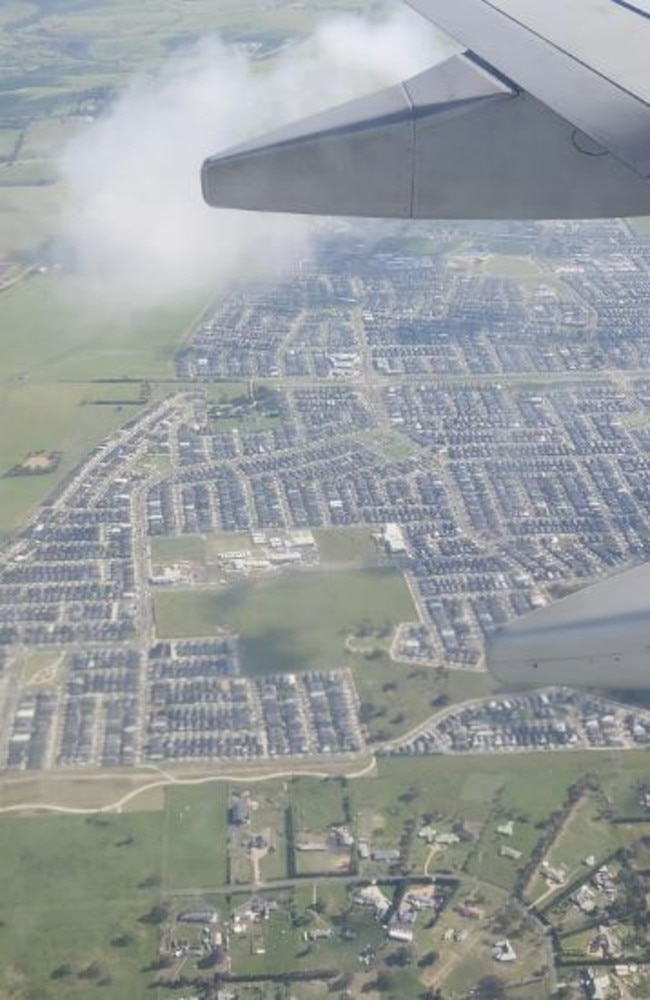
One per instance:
(403, 934)
(364, 850)
(601, 986)
(447, 839)
(239, 811)
(422, 899)
(504, 952)
(470, 911)
(317, 934)
(509, 852)
(584, 899)
(197, 917)
(371, 895)
(394, 539)
(506, 829)
(341, 836)
(551, 874)
(387, 856)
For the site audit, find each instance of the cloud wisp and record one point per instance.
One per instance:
(134, 217)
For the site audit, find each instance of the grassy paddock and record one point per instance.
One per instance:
(195, 836)
(297, 621)
(95, 865)
(60, 332)
(402, 695)
(46, 417)
(187, 548)
(348, 545)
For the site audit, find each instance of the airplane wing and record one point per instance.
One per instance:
(587, 60)
(597, 637)
(545, 115)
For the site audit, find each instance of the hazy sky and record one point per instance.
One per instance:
(134, 211)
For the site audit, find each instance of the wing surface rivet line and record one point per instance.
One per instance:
(414, 139)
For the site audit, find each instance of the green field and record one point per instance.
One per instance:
(109, 870)
(53, 347)
(57, 333)
(523, 270)
(345, 546)
(69, 889)
(195, 842)
(42, 417)
(186, 548)
(317, 805)
(297, 621)
(399, 696)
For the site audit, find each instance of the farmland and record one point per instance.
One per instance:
(115, 869)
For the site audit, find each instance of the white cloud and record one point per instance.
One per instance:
(134, 213)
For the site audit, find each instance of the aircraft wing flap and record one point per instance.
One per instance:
(540, 49)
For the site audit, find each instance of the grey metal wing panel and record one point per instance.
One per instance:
(598, 637)
(641, 7)
(587, 60)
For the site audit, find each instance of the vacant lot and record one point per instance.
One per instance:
(195, 846)
(343, 546)
(95, 866)
(297, 621)
(187, 548)
(399, 696)
(46, 417)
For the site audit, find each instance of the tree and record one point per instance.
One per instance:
(92, 971)
(490, 988)
(401, 957)
(61, 971)
(367, 711)
(122, 941)
(383, 983)
(158, 913)
(150, 882)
